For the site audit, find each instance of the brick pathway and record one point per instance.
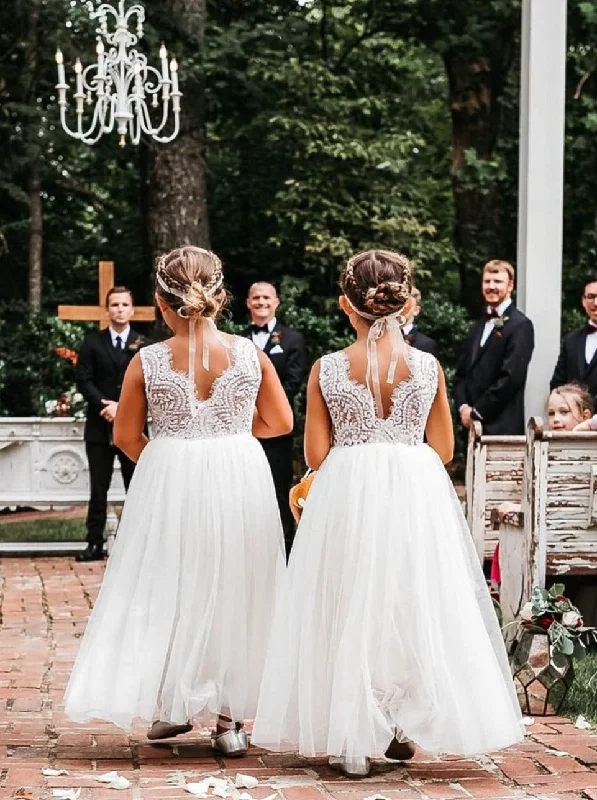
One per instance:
(44, 605)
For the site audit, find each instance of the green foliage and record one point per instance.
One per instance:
(30, 369)
(582, 698)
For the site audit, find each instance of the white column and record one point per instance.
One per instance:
(541, 178)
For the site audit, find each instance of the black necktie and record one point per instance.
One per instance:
(118, 343)
(259, 328)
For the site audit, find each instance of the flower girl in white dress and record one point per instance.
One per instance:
(182, 621)
(384, 632)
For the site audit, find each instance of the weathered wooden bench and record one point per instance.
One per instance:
(553, 529)
(494, 472)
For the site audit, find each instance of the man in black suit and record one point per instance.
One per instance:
(286, 349)
(101, 365)
(412, 334)
(578, 356)
(492, 371)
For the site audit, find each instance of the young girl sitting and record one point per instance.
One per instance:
(569, 407)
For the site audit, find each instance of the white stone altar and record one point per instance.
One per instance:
(43, 463)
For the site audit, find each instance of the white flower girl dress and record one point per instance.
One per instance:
(384, 625)
(182, 621)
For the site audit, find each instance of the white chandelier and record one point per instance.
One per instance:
(121, 83)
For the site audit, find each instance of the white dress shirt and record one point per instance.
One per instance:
(501, 309)
(124, 335)
(590, 346)
(261, 339)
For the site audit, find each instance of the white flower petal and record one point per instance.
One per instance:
(66, 794)
(120, 783)
(196, 789)
(245, 781)
(107, 777)
(49, 772)
(216, 783)
(582, 723)
(528, 721)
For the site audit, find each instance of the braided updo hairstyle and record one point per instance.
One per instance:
(377, 282)
(190, 281)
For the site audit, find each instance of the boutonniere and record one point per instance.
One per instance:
(498, 324)
(275, 339)
(135, 345)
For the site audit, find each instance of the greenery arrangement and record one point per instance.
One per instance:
(552, 612)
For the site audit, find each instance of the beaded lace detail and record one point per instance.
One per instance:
(226, 412)
(352, 410)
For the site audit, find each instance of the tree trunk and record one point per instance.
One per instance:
(177, 193)
(476, 86)
(34, 177)
(35, 237)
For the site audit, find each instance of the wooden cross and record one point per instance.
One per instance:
(98, 313)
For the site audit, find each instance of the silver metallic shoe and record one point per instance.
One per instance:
(351, 767)
(164, 730)
(233, 742)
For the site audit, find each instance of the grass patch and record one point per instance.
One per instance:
(582, 698)
(51, 530)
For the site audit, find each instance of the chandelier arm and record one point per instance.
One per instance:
(63, 120)
(137, 10)
(109, 125)
(167, 139)
(98, 119)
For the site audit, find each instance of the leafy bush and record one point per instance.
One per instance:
(30, 369)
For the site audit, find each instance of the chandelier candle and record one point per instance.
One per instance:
(121, 82)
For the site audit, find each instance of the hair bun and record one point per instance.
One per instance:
(386, 298)
(198, 302)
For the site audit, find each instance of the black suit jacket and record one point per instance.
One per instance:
(421, 341)
(492, 378)
(572, 366)
(291, 363)
(100, 372)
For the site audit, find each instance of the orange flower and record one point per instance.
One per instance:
(67, 354)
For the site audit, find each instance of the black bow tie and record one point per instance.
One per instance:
(591, 328)
(260, 328)
(491, 313)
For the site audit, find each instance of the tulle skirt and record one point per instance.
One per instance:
(384, 624)
(182, 621)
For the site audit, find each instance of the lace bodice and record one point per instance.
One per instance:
(352, 408)
(227, 411)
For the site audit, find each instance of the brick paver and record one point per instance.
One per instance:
(44, 605)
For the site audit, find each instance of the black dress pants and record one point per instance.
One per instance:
(279, 454)
(101, 457)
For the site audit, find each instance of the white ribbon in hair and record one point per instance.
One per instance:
(390, 324)
(209, 326)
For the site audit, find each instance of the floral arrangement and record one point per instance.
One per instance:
(551, 611)
(69, 404)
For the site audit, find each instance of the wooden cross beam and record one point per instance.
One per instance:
(98, 313)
